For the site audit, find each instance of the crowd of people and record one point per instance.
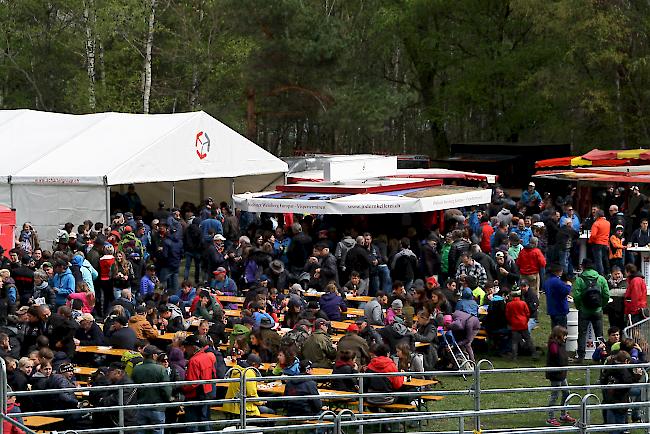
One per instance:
(123, 285)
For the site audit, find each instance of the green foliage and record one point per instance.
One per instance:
(345, 76)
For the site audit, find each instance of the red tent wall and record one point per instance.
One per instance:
(7, 226)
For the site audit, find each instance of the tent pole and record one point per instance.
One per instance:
(108, 201)
(232, 193)
(173, 194)
(202, 195)
(11, 192)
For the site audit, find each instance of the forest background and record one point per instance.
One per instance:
(344, 76)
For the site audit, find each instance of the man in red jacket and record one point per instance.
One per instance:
(518, 314)
(635, 297)
(201, 366)
(531, 261)
(599, 241)
(486, 234)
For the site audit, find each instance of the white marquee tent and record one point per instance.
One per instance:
(60, 167)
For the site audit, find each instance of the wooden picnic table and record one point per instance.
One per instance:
(98, 349)
(231, 299)
(359, 298)
(40, 421)
(84, 371)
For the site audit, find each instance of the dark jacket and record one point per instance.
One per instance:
(396, 334)
(430, 261)
(556, 356)
(108, 398)
(94, 336)
(62, 400)
(328, 272)
(171, 254)
(302, 406)
(123, 338)
(151, 372)
(428, 333)
(319, 349)
(532, 300)
(358, 260)
(345, 384)
(458, 247)
(618, 376)
(299, 250)
(332, 304)
(356, 344)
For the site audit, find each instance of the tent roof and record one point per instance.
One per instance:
(437, 173)
(49, 148)
(399, 201)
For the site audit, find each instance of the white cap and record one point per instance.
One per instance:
(219, 237)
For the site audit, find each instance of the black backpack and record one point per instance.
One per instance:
(592, 297)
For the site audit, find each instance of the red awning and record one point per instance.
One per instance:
(597, 154)
(554, 162)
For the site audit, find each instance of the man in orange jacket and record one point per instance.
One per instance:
(599, 240)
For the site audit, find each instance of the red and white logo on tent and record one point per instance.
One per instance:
(202, 144)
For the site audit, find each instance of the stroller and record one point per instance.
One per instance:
(452, 357)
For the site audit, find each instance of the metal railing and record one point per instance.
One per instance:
(356, 417)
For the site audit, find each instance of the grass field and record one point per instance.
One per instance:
(512, 400)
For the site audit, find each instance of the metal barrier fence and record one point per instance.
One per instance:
(640, 332)
(356, 418)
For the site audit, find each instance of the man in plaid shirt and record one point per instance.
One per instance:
(469, 267)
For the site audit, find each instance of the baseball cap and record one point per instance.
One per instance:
(219, 270)
(219, 237)
(619, 227)
(361, 320)
(432, 280)
(122, 320)
(116, 366)
(128, 229)
(150, 350)
(320, 321)
(499, 254)
(531, 184)
(524, 282)
(353, 328)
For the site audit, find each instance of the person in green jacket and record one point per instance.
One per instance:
(151, 372)
(444, 257)
(588, 314)
(318, 347)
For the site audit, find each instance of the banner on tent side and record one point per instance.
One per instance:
(272, 202)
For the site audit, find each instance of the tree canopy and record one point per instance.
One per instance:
(394, 76)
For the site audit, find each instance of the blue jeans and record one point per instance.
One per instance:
(564, 258)
(169, 278)
(197, 266)
(197, 413)
(616, 417)
(151, 417)
(380, 280)
(532, 323)
(601, 258)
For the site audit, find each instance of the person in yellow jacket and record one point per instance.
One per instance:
(253, 408)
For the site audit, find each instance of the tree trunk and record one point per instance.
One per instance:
(251, 121)
(90, 53)
(146, 90)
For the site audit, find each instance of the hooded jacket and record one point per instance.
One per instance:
(517, 313)
(384, 364)
(531, 260)
(467, 303)
(332, 304)
(234, 390)
(65, 285)
(319, 349)
(580, 285)
(141, 327)
(635, 295)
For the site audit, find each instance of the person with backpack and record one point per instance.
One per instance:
(590, 294)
